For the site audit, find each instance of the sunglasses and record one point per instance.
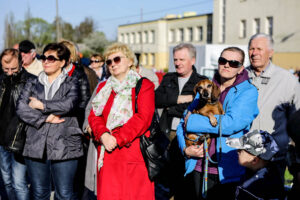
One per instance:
(116, 60)
(232, 63)
(50, 58)
(95, 61)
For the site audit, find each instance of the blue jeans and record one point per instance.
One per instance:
(62, 173)
(13, 170)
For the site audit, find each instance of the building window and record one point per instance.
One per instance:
(131, 38)
(269, 26)
(145, 59)
(126, 38)
(209, 34)
(152, 37)
(243, 29)
(153, 59)
(171, 35)
(256, 26)
(190, 34)
(138, 37)
(121, 38)
(200, 33)
(180, 35)
(134, 37)
(145, 38)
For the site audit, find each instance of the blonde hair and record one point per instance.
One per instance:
(72, 48)
(120, 47)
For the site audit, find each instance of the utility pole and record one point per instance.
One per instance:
(58, 35)
(142, 41)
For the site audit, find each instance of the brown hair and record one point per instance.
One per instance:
(235, 49)
(14, 53)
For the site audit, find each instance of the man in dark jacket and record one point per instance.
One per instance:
(174, 95)
(12, 135)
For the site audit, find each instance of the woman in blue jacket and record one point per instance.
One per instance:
(239, 100)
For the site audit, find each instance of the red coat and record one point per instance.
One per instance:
(124, 175)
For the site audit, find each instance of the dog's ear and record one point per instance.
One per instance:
(215, 93)
(196, 89)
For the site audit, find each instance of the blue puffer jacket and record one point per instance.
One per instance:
(240, 106)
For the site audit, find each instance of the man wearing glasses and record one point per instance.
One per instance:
(12, 134)
(29, 60)
(279, 94)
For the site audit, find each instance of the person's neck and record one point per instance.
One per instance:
(27, 65)
(225, 83)
(52, 77)
(69, 66)
(186, 75)
(121, 77)
(259, 70)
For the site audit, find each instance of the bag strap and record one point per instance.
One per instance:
(137, 90)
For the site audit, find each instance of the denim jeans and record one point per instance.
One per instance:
(62, 173)
(13, 171)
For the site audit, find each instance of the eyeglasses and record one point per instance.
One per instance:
(116, 60)
(232, 63)
(95, 61)
(50, 58)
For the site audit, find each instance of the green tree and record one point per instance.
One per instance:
(84, 29)
(40, 32)
(96, 41)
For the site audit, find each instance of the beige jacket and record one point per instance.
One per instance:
(35, 67)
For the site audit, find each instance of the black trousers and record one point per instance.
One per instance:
(193, 187)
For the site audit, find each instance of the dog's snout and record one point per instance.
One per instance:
(205, 93)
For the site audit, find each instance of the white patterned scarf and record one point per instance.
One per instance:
(121, 110)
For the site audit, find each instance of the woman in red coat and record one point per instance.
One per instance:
(122, 173)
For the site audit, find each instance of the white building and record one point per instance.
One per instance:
(152, 39)
(235, 21)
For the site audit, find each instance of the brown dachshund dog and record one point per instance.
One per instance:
(208, 106)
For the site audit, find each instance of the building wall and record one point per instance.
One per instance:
(159, 47)
(286, 25)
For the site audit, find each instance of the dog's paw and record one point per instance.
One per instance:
(213, 122)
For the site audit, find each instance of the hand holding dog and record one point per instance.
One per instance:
(109, 141)
(195, 151)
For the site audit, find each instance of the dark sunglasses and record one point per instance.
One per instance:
(50, 58)
(116, 60)
(232, 63)
(95, 61)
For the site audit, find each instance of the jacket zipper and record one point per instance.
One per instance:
(12, 144)
(2, 96)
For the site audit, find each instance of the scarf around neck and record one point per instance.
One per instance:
(121, 110)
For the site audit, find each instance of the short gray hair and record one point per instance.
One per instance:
(263, 35)
(188, 46)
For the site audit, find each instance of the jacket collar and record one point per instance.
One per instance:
(267, 73)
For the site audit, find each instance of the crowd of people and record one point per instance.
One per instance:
(73, 130)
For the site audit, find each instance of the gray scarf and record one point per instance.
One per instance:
(51, 88)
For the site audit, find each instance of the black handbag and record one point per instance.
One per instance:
(155, 147)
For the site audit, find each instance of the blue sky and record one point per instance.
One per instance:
(107, 14)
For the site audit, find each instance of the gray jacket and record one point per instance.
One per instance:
(278, 98)
(59, 141)
(90, 171)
